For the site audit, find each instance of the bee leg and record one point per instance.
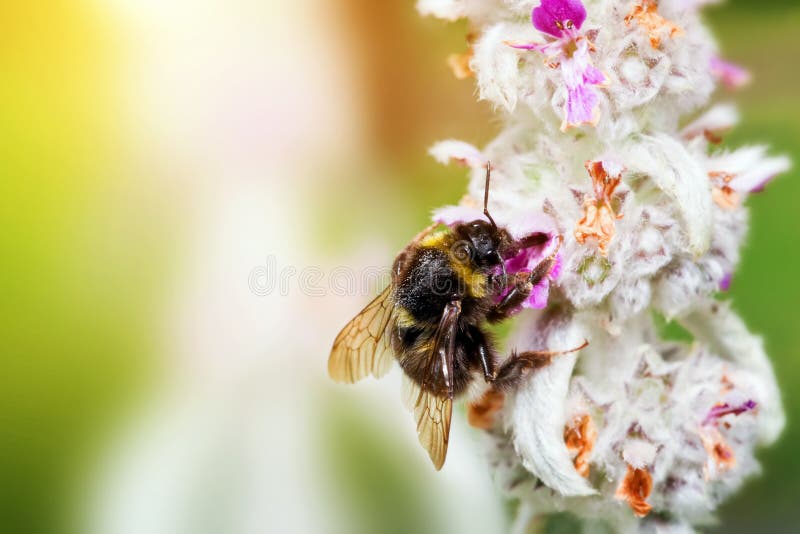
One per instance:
(517, 365)
(487, 362)
(545, 266)
(479, 352)
(513, 300)
(523, 286)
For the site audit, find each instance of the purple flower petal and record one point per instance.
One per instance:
(529, 224)
(725, 283)
(751, 168)
(581, 77)
(524, 262)
(555, 272)
(761, 186)
(581, 106)
(593, 75)
(528, 258)
(527, 45)
(538, 297)
(755, 179)
(723, 409)
(730, 74)
(556, 17)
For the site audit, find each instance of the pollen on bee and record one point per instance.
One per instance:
(432, 240)
(403, 318)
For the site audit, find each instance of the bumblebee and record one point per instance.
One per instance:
(446, 287)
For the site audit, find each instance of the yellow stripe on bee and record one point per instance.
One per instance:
(476, 283)
(434, 240)
(403, 318)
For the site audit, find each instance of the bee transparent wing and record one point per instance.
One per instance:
(362, 347)
(432, 413)
(432, 402)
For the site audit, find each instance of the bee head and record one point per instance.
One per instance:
(481, 242)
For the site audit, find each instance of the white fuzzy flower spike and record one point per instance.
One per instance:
(607, 141)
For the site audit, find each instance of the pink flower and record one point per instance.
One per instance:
(581, 78)
(725, 283)
(558, 17)
(568, 50)
(730, 74)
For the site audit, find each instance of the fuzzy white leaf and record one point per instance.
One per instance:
(496, 64)
(538, 418)
(680, 177)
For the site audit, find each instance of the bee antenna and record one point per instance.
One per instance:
(486, 194)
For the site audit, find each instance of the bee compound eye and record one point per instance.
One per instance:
(462, 251)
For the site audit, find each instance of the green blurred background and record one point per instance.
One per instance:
(98, 225)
